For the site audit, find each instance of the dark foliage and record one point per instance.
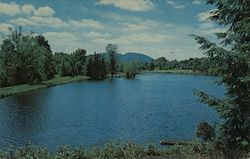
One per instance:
(205, 131)
(234, 109)
(96, 67)
(25, 58)
(71, 64)
(111, 49)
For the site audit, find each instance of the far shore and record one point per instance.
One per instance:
(176, 71)
(25, 88)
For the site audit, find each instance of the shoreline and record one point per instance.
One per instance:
(179, 71)
(26, 88)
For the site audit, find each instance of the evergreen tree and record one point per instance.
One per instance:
(235, 107)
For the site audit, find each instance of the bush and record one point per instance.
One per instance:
(205, 131)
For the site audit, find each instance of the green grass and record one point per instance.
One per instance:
(25, 88)
(114, 150)
(61, 80)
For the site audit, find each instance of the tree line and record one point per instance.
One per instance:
(205, 65)
(27, 58)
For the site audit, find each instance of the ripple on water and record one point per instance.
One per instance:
(145, 110)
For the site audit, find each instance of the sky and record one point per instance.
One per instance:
(154, 27)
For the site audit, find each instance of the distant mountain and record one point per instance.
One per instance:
(131, 56)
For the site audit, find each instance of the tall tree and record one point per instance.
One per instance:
(111, 49)
(235, 107)
(43, 42)
(79, 59)
(49, 65)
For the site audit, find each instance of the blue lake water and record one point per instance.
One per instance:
(145, 110)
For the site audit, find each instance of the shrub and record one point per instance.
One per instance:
(205, 131)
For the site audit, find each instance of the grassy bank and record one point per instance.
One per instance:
(61, 80)
(115, 150)
(19, 89)
(177, 71)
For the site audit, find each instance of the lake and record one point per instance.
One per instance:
(145, 110)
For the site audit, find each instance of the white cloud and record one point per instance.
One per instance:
(4, 28)
(212, 31)
(132, 5)
(27, 9)
(119, 17)
(62, 41)
(86, 23)
(52, 22)
(203, 16)
(94, 34)
(179, 6)
(145, 38)
(22, 21)
(206, 25)
(134, 26)
(143, 25)
(44, 11)
(9, 8)
(174, 4)
(14, 9)
(61, 35)
(111, 15)
(134, 39)
(197, 2)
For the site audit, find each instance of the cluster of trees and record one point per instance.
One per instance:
(25, 58)
(71, 64)
(205, 64)
(132, 68)
(96, 67)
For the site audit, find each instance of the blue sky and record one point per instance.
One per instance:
(153, 27)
